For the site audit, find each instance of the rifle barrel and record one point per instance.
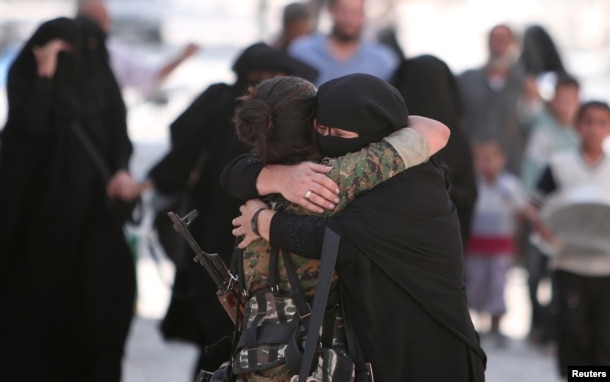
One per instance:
(212, 262)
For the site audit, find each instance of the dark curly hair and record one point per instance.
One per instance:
(275, 117)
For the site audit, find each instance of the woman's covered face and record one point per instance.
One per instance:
(334, 142)
(334, 131)
(356, 110)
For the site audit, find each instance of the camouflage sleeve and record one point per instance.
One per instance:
(363, 170)
(411, 145)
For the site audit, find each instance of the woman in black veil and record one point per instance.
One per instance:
(429, 88)
(539, 53)
(67, 277)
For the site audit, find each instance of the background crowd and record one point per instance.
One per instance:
(508, 115)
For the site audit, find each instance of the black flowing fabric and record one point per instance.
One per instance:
(430, 90)
(203, 142)
(539, 53)
(67, 277)
(401, 272)
(400, 266)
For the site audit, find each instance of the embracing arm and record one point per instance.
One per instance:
(295, 233)
(246, 178)
(239, 176)
(405, 148)
(358, 172)
(434, 132)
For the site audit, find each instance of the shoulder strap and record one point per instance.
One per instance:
(330, 247)
(364, 370)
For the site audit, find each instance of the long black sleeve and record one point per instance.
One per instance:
(239, 176)
(302, 235)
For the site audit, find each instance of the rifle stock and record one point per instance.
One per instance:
(225, 281)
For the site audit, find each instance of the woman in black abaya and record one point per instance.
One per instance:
(430, 89)
(67, 278)
(400, 262)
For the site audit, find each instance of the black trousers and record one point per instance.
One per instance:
(583, 320)
(542, 324)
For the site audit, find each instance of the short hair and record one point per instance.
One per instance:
(487, 142)
(504, 26)
(564, 79)
(591, 104)
(295, 12)
(330, 3)
(81, 4)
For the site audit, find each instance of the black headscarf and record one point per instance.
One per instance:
(262, 57)
(361, 103)
(52, 207)
(539, 53)
(430, 89)
(25, 64)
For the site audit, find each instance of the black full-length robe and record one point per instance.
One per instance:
(67, 277)
(430, 90)
(401, 273)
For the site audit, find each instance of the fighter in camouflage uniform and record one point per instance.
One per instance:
(354, 173)
(272, 302)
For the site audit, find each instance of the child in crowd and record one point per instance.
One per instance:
(552, 130)
(489, 252)
(581, 275)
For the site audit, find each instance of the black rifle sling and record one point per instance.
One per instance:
(330, 249)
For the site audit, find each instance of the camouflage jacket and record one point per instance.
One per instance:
(354, 173)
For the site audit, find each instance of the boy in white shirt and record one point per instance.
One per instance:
(581, 275)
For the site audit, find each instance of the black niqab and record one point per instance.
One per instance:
(64, 264)
(361, 103)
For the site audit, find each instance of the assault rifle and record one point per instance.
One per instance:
(221, 275)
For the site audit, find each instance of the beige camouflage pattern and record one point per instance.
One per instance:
(266, 354)
(354, 173)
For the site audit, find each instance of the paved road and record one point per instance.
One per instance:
(150, 359)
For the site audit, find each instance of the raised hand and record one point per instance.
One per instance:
(46, 56)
